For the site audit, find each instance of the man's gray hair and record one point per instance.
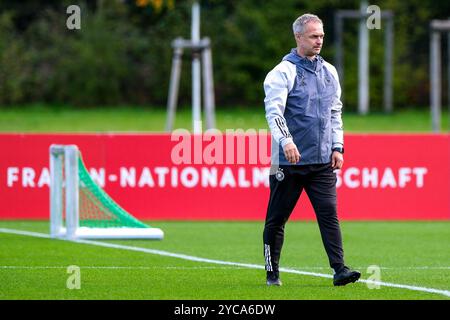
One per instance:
(300, 23)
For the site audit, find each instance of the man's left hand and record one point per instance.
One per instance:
(337, 160)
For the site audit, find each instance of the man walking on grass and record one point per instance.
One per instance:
(303, 109)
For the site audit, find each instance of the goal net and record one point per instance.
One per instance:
(81, 209)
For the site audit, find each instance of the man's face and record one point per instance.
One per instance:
(310, 42)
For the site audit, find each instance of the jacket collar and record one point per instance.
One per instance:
(310, 65)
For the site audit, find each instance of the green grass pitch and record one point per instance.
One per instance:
(408, 253)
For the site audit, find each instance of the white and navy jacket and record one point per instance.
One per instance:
(303, 106)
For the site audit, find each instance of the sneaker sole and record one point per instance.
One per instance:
(351, 279)
(277, 284)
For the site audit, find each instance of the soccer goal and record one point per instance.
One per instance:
(81, 209)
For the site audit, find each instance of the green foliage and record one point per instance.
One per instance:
(123, 54)
(58, 118)
(14, 63)
(409, 253)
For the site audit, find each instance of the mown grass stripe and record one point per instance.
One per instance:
(221, 262)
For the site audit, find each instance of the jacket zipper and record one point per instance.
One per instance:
(318, 116)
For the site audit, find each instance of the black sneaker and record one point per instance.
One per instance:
(273, 279)
(345, 276)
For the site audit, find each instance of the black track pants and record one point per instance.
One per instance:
(319, 182)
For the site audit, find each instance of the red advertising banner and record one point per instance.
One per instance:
(166, 177)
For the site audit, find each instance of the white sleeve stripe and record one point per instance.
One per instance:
(283, 121)
(277, 85)
(281, 127)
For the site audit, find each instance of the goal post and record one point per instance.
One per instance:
(81, 209)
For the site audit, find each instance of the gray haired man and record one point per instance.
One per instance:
(303, 109)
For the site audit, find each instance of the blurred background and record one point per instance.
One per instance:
(120, 62)
(104, 87)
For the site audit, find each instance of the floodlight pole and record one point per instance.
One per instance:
(388, 63)
(196, 88)
(363, 49)
(363, 63)
(448, 73)
(201, 58)
(436, 27)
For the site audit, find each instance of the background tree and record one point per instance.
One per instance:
(122, 54)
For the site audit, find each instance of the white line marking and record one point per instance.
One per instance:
(25, 233)
(212, 268)
(228, 263)
(382, 268)
(124, 267)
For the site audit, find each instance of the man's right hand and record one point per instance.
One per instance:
(291, 153)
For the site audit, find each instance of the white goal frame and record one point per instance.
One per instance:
(66, 156)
